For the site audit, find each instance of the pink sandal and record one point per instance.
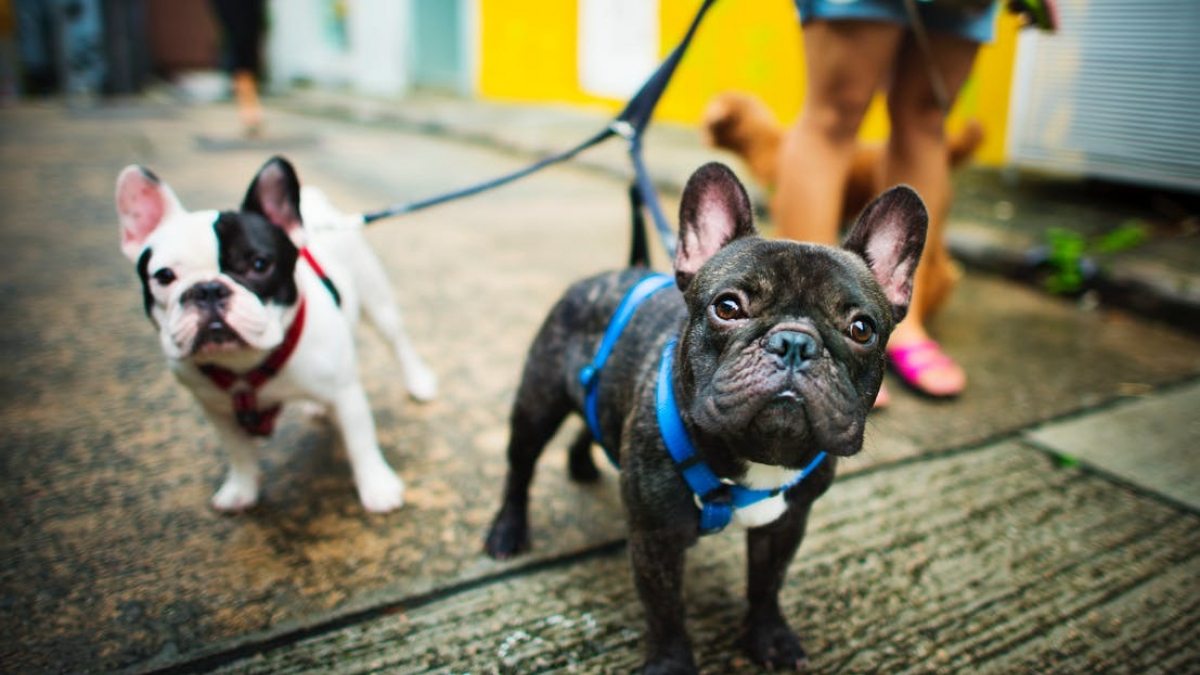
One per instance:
(912, 361)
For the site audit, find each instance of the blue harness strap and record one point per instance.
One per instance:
(717, 499)
(590, 374)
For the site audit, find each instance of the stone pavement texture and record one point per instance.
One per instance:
(1014, 530)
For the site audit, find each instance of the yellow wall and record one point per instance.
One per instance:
(529, 54)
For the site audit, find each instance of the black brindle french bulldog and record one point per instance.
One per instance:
(779, 356)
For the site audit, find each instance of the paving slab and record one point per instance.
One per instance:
(109, 555)
(989, 561)
(1150, 442)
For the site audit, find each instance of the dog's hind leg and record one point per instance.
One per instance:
(536, 416)
(580, 464)
(381, 308)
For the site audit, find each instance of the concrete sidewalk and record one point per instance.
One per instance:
(1048, 521)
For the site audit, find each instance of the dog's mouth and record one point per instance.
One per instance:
(786, 412)
(781, 413)
(214, 335)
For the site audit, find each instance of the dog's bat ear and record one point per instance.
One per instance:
(889, 236)
(275, 194)
(143, 202)
(714, 211)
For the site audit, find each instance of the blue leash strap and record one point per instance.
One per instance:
(718, 499)
(590, 374)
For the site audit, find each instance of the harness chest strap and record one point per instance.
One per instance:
(590, 375)
(256, 421)
(717, 499)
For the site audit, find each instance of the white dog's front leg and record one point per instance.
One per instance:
(240, 489)
(379, 488)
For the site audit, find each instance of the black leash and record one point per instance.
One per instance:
(630, 124)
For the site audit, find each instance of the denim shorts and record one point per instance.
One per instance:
(976, 27)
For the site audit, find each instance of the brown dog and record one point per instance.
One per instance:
(742, 124)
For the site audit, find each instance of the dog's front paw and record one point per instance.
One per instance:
(508, 536)
(238, 493)
(421, 383)
(775, 646)
(381, 490)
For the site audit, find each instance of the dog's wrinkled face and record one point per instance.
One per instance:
(214, 283)
(783, 352)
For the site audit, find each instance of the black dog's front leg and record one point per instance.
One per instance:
(658, 560)
(769, 550)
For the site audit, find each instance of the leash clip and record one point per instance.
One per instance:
(623, 129)
(587, 375)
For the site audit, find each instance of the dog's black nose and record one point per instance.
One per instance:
(206, 294)
(794, 348)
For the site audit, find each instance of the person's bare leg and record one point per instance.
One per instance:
(845, 62)
(245, 93)
(917, 155)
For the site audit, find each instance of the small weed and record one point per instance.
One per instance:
(1069, 253)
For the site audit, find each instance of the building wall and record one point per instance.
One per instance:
(361, 44)
(530, 52)
(182, 35)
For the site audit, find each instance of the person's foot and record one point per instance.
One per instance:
(883, 399)
(922, 365)
(251, 122)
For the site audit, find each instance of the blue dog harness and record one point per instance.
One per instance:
(716, 499)
(590, 375)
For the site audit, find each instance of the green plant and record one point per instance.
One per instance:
(1069, 252)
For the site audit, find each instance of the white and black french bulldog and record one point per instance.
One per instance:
(725, 397)
(254, 309)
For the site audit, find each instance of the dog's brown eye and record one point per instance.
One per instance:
(727, 309)
(164, 276)
(861, 331)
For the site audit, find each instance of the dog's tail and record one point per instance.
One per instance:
(742, 124)
(965, 143)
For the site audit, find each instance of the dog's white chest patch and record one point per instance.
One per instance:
(760, 513)
(764, 477)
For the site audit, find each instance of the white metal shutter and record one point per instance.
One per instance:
(1114, 93)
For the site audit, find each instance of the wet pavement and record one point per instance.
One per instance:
(1047, 521)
